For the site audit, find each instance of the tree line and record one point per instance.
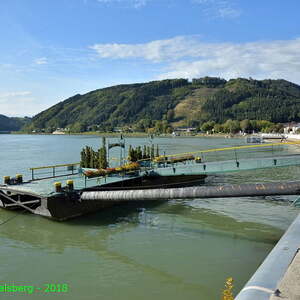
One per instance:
(152, 106)
(246, 126)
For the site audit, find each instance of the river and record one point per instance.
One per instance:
(176, 250)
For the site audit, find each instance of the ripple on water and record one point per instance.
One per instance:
(173, 250)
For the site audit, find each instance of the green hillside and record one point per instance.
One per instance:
(176, 102)
(12, 124)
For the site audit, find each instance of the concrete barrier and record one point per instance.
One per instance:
(265, 280)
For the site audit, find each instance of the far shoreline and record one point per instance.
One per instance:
(294, 138)
(135, 134)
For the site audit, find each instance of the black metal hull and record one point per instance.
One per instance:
(66, 205)
(62, 208)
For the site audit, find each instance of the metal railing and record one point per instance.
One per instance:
(265, 280)
(54, 171)
(237, 150)
(209, 155)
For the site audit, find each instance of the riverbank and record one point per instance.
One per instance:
(289, 137)
(92, 133)
(138, 134)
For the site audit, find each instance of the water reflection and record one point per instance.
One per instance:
(171, 250)
(93, 231)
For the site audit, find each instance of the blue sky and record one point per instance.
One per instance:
(53, 49)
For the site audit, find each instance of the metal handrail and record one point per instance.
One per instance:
(227, 149)
(53, 167)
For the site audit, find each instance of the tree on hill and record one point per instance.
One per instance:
(231, 126)
(205, 99)
(208, 126)
(245, 125)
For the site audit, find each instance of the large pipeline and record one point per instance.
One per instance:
(236, 190)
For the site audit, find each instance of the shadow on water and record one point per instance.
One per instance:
(174, 216)
(91, 232)
(200, 221)
(134, 235)
(114, 214)
(97, 231)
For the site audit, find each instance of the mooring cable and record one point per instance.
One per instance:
(11, 218)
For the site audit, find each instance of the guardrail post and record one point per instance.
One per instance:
(236, 159)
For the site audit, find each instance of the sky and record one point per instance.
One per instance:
(53, 49)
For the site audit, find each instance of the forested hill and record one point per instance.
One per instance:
(177, 102)
(12, 124)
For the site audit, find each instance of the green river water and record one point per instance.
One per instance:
(175, 250)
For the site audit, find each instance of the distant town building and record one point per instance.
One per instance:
(291, 128)
(59, 131)
(185, 129)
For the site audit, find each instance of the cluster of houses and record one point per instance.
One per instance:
(291, 130)
(177, 131)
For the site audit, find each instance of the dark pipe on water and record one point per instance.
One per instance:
(223, 191)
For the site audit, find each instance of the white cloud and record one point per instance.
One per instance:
(275, 59)
(140, 3)
(189, 57)
(228, 12)
(18, 103)
(27, 107)
(14, 94)
(134, 3)
(155, 51)
(41, 61)
(210, 8)
(224, 9)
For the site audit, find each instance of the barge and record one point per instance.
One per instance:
(63, 200)
(46, 196)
